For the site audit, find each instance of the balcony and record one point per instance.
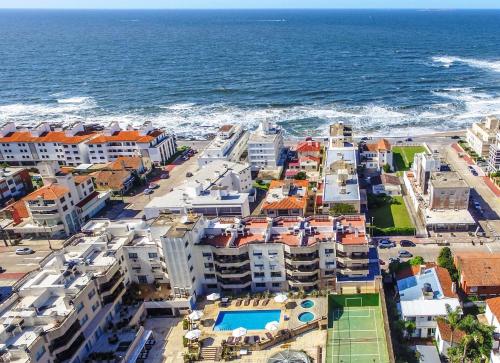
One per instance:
(302, 269)
(108, 286)
(303, 279)
(68, 353)
(227, 259)
(111, 298)
(302, 257)
(225, 272)
(234, 282)
(66, 337)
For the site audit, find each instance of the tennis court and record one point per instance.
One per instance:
(356, 330)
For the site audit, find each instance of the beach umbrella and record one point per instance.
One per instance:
(196, 315)
(213, 296)
(239, 332)
(193, 334)
(272, 326)
(280, 298)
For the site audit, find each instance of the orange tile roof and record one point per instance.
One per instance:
(79, 179)
(308, 146)
(280, 183)
(225, 128)
(479, 269)
(286, 203)
(51, 136)
(21, 209)
(445, 332)
(111, 179)
(494, 305)
(382, 144)
(125, 162)
(49, 192)
(125, 135)
(311, 158)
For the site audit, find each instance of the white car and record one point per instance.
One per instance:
(24, 251)
(385, 243)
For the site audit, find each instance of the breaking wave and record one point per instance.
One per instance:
(448, 61)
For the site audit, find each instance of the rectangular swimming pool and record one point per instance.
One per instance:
(248, 319)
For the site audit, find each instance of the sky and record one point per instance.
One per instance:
(259, 4)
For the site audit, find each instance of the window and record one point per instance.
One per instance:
(189, 257)
(193, 279)
(39, 353)
(209, 276)
(79, 307)
(153, 255)
(132, 255)
(328, 251)
(84, 320)
(260, 284)
(276, 284)
(258, 274)
(91, 294)
(95, 306)
(207, 254)
(275, 274)
(143, 279)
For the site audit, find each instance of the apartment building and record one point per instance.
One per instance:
(425, 294)
(286, 198)
(43, 143)
(494, 155)
(148, 142)
(62, 311)
(60, 207)
(448, 191)
(373, 156)
(265, 147)
(219, 188)
(482, 134)
(340, 135)
(228, 145)
(479, 273)
(14, 183)
(423, 165)
(259, 253)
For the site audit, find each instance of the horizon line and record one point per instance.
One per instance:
(249, 8)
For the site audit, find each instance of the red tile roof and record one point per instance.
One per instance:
(225, 128)
(494, 305)
(126, 135)
(51, 136)
(79, 179)
(49, 192)
(125, 162)
(308, 146)
(445, 332)
(382, 144)
(479, 269)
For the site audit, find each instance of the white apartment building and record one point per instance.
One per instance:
(482, 134)
(375, 155)
(63, 311)
(146, 141)
(258, 253)
(425, 295)
(43, 143)
(219, 188)
(14, 183)
(61, 206)
(265, 147)
(228, 145)
(494, 155)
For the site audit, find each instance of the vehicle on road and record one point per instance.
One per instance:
(385, 243)
(394, 260)
(189, 174)
(164, 176)
(153, 186)
(409, 139)
(404, 254)
(2, 269)
(24, 251)
(474, 172)
(406, 243)
(148, 191)
(381, 262)
(455, 137)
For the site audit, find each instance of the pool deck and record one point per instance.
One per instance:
(309, 341)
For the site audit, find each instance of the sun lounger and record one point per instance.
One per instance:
(230, 340)
(238, 302)
(265, 302)
(246, 302)
(269, 336)
(237, 340)
(256, 302)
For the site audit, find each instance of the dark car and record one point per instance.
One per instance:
(455, 137)
(406, 243)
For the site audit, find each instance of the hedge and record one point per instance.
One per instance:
(393, 231)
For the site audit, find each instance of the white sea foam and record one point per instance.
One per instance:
(448, 61)
(74, 100)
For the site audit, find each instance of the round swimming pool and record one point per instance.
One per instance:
(306, 317)
(307, 304)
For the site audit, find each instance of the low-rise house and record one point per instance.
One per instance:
(482, 134)
(309, 147)
(14, 183)
(117, 181)
(286, 198)
(479, 273)
(444, 335)
(386, 184)
(492, 315)
(375, 155)
(220, 188)
(132, 163)
(425, 293)
(305, 163)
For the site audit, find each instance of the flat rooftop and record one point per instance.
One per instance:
(448, 216)
(448, 179)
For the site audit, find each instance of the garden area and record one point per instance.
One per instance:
(402, 156)
(465, 147)
(390, 216)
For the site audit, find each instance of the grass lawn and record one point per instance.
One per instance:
(403, 156)
(392, 215)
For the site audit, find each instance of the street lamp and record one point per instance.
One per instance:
(48, 239)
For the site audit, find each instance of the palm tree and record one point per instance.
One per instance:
(452, 319)
(410, 327)
(476, 337)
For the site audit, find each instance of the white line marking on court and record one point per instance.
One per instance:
(343, 331)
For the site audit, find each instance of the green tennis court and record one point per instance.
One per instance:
(356, 330)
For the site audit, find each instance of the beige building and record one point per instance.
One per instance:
(448, 191)
(482, 134)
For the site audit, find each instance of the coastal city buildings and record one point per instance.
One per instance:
(373, 156)
(494, 155)
(219, 188)
(482, 134)
(228, 145)
(492, 316)
(265, 147)
(61, 206)
(286, 198)
(14, 183)
(426, 293)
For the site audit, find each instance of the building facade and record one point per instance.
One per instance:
(482, 134)
(228, 145)
(265, 147)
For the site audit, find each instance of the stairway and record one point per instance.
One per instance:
(209, 353)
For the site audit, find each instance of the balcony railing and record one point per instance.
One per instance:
(302, 268)
(231, 258)
(111, 298)
(66, 337)
(68, 353)
(112, 282)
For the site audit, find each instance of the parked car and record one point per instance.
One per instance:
(409, 139)
(24, 251)
(148, 191)
(404, 254)
(164, 176)
(474, 172)
(394, 260)
(189, 174)
(455, 137)
(385, 243)
(2, 269)
(153, 186)
(406, 243)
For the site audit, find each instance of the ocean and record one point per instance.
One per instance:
(387, 72)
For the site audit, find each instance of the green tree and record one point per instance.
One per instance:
(409, 328)
(342, 208)
(445, 259)
(301, 175)
(452, 319)
(416, 261)
(387, 168)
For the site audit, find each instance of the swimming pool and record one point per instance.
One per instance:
(248, 319)
(307, 304)
(306, 317)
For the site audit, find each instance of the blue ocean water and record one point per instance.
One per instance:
(191, 71)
